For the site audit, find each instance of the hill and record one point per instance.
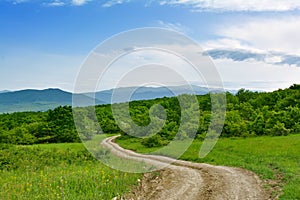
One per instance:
(42, 100)
(146, 93)
(4, 91)
(38, 100)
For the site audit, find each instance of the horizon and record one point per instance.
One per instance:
(226, 89)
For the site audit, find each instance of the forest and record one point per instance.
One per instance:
(248, 114)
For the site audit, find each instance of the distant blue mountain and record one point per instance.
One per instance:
(38, 100)
(4, 91)
(42, 100)
(144, 93)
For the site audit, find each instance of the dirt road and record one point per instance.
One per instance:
(184, 180)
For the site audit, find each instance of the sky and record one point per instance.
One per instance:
(253, 44)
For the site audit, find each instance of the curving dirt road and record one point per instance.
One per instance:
(184, 180)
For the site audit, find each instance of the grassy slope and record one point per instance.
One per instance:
(58, 171)
(272, 158)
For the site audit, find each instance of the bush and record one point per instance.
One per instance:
(154, 141)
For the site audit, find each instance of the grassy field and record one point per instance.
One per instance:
(58, 171)
(68, 171)
(274, 159)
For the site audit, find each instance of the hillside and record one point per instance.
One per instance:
(42, 100)
(248, 114)
(146, 93)
(38, 100)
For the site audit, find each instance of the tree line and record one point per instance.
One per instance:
(248, 114)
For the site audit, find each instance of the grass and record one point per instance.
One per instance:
(68, 171)
(86, 181)
(58, 171)
(61, 146)
(272, 158)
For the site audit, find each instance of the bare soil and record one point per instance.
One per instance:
(183, 180)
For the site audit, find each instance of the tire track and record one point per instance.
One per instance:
(194, 181)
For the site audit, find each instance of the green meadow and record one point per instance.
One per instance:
(58, 171)
(260, 133)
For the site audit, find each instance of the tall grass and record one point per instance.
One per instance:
(59, 171)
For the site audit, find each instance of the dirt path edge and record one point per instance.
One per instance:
(188, 180)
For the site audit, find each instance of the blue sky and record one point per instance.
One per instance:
(43, 43)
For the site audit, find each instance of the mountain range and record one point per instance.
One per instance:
(42, 100)
(4, 91)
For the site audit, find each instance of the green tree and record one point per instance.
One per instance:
(279, 129)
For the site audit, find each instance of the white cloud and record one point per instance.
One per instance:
(273, 58)
(237, 5)
(267, 34)
(257, 53)
(205, 5)
(111, 3)
(19, 1)
(260, 35)
(79, 2)
(228, 43)
(173, 26)
(55, 3)
(256, 75)
(176, 71)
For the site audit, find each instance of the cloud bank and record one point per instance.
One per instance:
(273, 41)
(274, 58)
(236, 5)
(198, 5)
